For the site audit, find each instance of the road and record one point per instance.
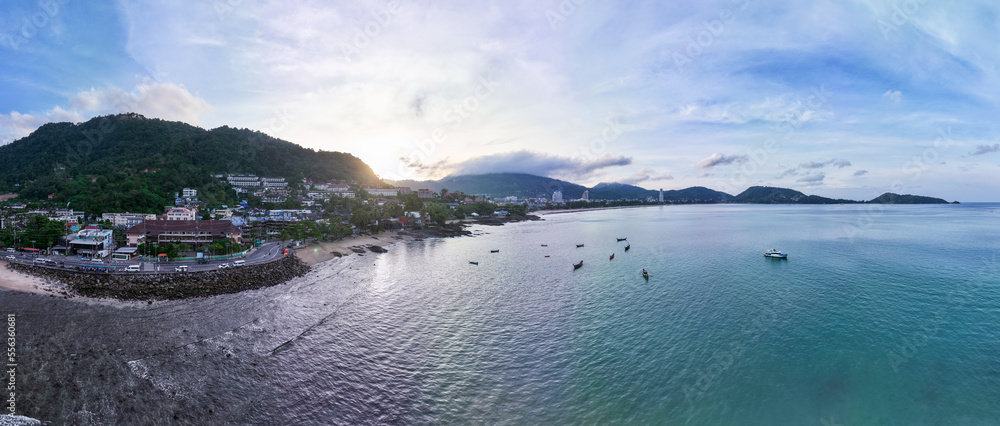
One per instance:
(263, 254)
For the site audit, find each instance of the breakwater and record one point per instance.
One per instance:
(172, 285)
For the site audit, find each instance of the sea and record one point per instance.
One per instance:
(880, 315)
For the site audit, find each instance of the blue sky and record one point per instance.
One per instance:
(836, 98)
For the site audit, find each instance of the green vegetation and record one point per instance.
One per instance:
(127, 162)
(890, 198)
(40, 233)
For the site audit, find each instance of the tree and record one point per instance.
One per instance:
(412, 203)
(443, 192)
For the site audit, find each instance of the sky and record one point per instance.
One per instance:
(846, 99)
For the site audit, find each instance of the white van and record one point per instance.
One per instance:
(182, 268)
(11, 250)
(239, 263)
(97, 260)
(132, 268)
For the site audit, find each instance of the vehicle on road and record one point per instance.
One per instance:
(182, 268)
(239, 263)
(10, 258)
(132, 268)
(97, 260)
(223, 265)
(39, 261)
(11, 250)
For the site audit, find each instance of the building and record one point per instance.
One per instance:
(192, 232)
(661, 195)
(127, 220)
(181, 213)
(190, 193)
(337, 188)
(273, 182)
(383, 192)
(586, 195)
(557, 196)
(91, 241)
(405, 190)
(426, 193)
(244, 181)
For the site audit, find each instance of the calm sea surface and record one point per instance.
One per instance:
(880, 315)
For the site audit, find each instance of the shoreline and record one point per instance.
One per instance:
(561, 211)
(311, 254)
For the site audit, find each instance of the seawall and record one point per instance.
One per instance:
(172, 285)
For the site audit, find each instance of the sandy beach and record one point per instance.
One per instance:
(16, 281)
(321, 252)
(558, 211)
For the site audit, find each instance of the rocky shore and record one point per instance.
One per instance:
(174, 285)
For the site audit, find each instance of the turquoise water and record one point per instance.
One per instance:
(880, 315)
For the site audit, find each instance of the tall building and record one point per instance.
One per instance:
(586, 195)
(661, 195)
(557, 196)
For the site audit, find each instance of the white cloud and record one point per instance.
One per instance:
(717, 159)
(643, 175)
(159, 100)
(894, 96)
(529, 162)
(986, 149)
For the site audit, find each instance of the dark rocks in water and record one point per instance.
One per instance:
(336, 254)
(358, 249)
(150, 287)
(377, 249)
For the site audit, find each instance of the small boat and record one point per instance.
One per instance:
(579, 245)
(474, 263)
(546, 255)
(628, 247)
(774, 253)
(494, 251)
(622, 239)
(612, 257)
(645, 274)
(545, 245)
(577, 265)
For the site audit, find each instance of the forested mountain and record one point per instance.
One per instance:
(771, 195)
(129, 162)
(531, 186)
(891, 198)
(500, 185)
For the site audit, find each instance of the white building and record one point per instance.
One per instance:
(586, 195)
(557, 196)
(190, 193)
(383, 192)
(274, 182)
(244, 181)
(127, 220)
(661, 195)
(180, 213)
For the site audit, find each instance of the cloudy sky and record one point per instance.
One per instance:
(836, 98)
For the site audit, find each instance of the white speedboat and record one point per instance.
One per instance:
(776, 254)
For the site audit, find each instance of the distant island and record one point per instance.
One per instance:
(772, 195)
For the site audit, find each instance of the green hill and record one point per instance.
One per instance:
(523, 185)
(890, 198)
(129, 162)
(772, 195)
(499, 185)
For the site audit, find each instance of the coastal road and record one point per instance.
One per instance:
(266, 253)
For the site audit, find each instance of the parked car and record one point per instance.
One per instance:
(11, 250)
